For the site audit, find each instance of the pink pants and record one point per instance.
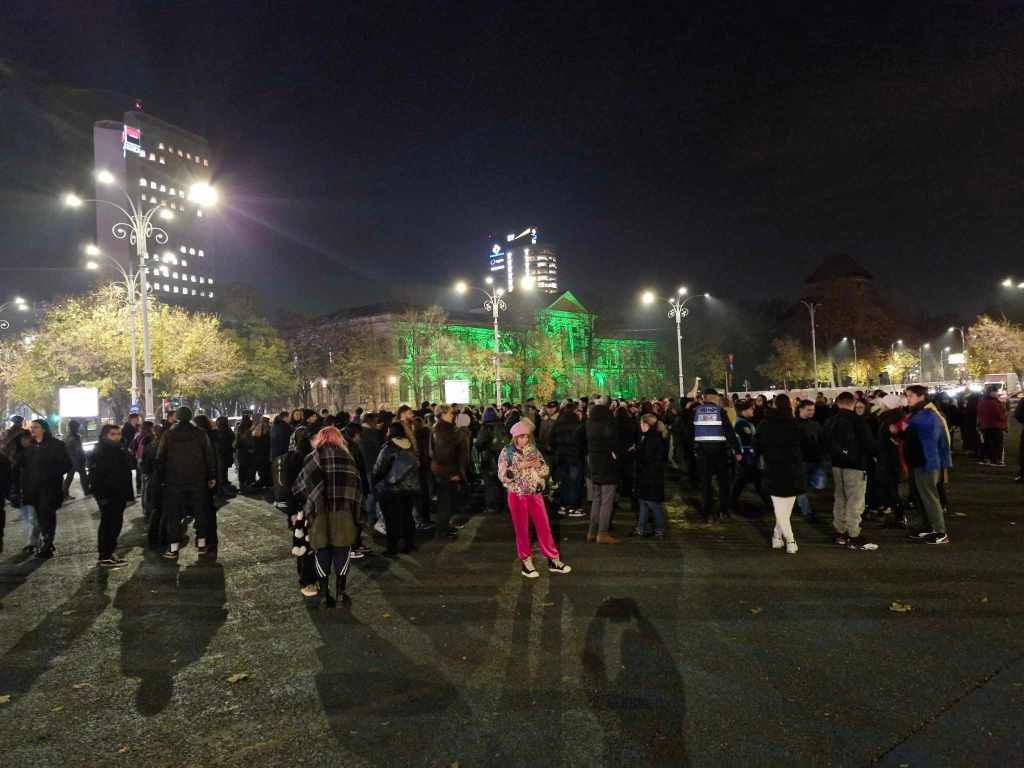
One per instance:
(522, 508)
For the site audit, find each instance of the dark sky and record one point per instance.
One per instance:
(730, 146)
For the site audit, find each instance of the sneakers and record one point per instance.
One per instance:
(577, 513)
(936, 538)
(840, 539)
(562, 512)
(792, 548)
(382, 530)
(169, 555)
(111, 562)
(859, 542)
(356, 553)
(527, 569)
(920, 535)
(777, 542)
(557, 566)
(310, 590)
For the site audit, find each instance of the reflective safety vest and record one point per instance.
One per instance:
(707, 424)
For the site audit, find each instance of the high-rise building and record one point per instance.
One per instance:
(158, 163)
(521, 258)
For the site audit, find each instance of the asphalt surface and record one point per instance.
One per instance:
(706, 649)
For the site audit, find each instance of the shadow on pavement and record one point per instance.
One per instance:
(169, 616)
(634, 688)
(32, 656)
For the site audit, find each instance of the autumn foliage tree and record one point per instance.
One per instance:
(995, 346)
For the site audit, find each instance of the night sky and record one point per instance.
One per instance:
(729, 146)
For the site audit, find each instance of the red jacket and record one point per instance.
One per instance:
(991, 414)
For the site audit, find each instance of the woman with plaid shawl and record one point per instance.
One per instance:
(331, 492)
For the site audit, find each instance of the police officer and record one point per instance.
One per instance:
(716, 445)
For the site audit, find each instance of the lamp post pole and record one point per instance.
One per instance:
(495, 304)
(811, 307)
(131, 278)
(678, 311)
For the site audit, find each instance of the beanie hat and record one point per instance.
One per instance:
(522, 427)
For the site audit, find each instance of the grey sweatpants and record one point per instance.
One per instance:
(927, 484)
(848, 502)
(601, 507)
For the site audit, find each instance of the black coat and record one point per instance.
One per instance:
(778, 443)
(224, 443)
(602, 443)
(849, 442)
(185, 456)
(568, 440)
(651, 458)
(110, 474)
(42, 473)
(280, 434)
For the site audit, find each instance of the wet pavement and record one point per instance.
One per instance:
(706, 649)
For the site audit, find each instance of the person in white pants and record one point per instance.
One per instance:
(778, 443)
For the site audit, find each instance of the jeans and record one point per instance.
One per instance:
(815, 480)
(848, 504)
(30, 525)
(570, 485)
(926, 483)
(657, 512)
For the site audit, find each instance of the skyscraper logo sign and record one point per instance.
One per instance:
(131, 141)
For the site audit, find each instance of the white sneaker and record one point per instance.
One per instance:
(777, 542)
(791, 548)
(557, 566)
(379, 527)
(528, 570)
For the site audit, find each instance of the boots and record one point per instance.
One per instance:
(326, 598)
(607, 538)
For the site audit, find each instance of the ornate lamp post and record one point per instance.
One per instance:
(678, 310)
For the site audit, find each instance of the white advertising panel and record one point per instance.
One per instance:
(456, 391)
(955, 358)
(79, 402)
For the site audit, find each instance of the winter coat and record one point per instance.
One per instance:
(185, 456)
(446, 451)
(409, 483)
(926, 445)
(850, 445)
(370, 443)
(602, 443)
(992, 414)
(110, 474)
(224, 442)
(778, 441)
(567, 437)
(491, 440)
(810, 440)
(652, 456)
(75, 451)
(44, 465)
(523, 472)
(280, 434)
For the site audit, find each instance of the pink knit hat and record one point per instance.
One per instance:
(522, 427)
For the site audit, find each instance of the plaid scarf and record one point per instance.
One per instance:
(329, 480)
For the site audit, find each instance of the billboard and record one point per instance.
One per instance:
(955, 358)
(79, 402)
(456, 391)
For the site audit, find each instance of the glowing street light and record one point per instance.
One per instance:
(493, 303)
(92, 250)
(71, 200)
(203, 194)
(105, 177)
(92, 265)
(678, 310)
(1008, 282)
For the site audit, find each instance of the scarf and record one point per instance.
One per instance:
(329, 480)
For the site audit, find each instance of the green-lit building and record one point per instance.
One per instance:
(551, 350)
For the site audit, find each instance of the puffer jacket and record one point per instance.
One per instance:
(391, 450)
(523, 472)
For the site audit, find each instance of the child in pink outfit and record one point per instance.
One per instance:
(523, 471)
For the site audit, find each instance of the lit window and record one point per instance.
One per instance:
(162, 161)
(152, 185)
(152, 199)
(174, 275)
(182, 249)
(193, 278)
(211, 294)
(188, 156)
(173, 192)
(191, 251)
(202, 279)
(193, 291)
(202, 293)
(181, 193)
(161, 145)
(163, 188)
(201, 252)
(206, 162)
(210, 281)
(184, 263)
(142, 182)
(180, 153)
(175, 289)
(199, 213)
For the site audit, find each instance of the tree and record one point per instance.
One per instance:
(358, 365)
(422, 337)
(859, 372)
(788, 362)
(996, 346)
(897, 363)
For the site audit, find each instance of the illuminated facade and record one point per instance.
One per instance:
(520, 258)
(552, 353)
(157, 162)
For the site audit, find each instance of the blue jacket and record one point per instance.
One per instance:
(930, 435)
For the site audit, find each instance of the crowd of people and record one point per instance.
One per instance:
(341, 479)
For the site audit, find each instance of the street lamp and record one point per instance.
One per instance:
(923, 348)
(493, 303)
(811, 307)
(677, 311)
(138, 228)
(131, 281)
(854, 341)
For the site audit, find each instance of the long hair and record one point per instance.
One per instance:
(328, 436)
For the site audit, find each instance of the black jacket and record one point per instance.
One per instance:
(110, 474)
(280, 434)
(849, 442)
(410, 483)
(778, 442)
(567, 438)
(370, 442)
(652, 455)
(224, 443)
(490, 441)
(185, 456)
(43, 468)
(810, 440)
(447, 451)
(602, 443)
